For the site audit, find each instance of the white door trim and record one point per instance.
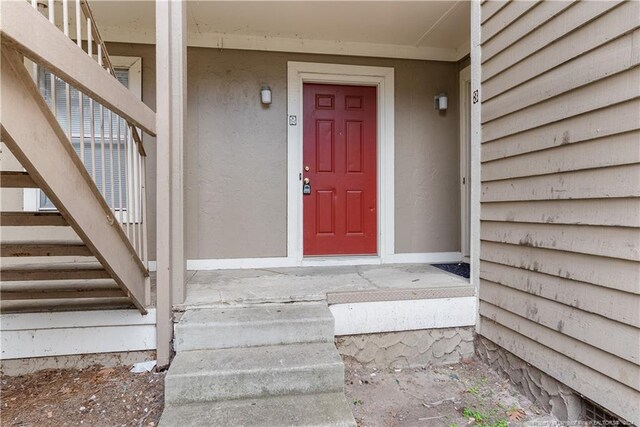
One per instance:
(383, 78)
(465, 161)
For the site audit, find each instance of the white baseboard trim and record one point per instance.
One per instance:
(239, 263)
(424, 258)
(392, 316)
(79, 332)
(276, 262)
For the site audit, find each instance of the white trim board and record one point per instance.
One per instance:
(476, 139)
(407, 315)
(465, 160)
(382, 78)
(278, 262)
(78, 332)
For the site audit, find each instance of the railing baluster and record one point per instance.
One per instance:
(89, 38)
(52, 12)
(91, 108)
(81, 127)
(102, 154)
(65, 17)
(34, 66)
(65, 28)
(126, 181)
(78, 24)
(52, 77)
(121, 214)
(113, 188)
(102, 150)
(143, 174)
(132, 187)
(92, 139)
(134, 183)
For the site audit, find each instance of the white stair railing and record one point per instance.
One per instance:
(110, 148)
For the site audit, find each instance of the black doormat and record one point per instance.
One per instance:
(460, 269)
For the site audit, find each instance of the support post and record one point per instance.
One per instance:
(170, 103)
(476, 140)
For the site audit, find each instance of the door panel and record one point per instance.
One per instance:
(340, 142)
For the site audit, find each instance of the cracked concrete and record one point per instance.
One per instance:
(221, 287)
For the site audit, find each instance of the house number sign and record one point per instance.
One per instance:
(293, 120)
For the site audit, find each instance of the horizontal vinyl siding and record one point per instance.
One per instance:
(560, 192)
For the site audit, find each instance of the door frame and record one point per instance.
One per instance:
(382, 78)
(465, 162)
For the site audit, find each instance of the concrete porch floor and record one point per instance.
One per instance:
(344, 284)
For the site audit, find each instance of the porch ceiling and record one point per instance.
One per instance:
(436, 30)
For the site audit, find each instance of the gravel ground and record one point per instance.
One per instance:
(94, 396)
(466, 394)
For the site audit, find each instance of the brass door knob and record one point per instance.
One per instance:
(306, 181)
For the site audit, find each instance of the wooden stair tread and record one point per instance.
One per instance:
(59, 271)
(44, 248)
(19, 219)
(57, 289)
(59, 284)
(16, 179)
(67, 304)
(42, 294)
(26, 234)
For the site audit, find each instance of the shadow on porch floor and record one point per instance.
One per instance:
(344, 284)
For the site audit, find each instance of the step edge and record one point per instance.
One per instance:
(226, 372)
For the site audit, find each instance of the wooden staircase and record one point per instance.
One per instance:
(44, 274)
(90, 254)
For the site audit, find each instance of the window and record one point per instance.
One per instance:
(128, 72)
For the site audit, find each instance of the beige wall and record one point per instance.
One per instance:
(236, 164)
(560, 230)
(11, 199)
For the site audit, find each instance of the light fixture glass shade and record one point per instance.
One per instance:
(265, 95)
(442, 102)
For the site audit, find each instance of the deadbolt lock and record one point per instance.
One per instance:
(306, 168)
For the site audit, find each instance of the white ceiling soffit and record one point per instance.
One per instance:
(434, 30)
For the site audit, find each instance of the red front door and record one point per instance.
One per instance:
(340, 164)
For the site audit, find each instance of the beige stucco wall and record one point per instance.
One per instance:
(236, 161)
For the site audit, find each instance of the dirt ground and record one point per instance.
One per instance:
(466, 394)
(94, 396)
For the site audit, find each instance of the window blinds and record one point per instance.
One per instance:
(114, 195)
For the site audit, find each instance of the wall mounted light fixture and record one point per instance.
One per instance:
(265, 95)
(441, 102)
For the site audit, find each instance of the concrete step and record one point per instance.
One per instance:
(229, 327)
(237, 373)
(329, 409)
